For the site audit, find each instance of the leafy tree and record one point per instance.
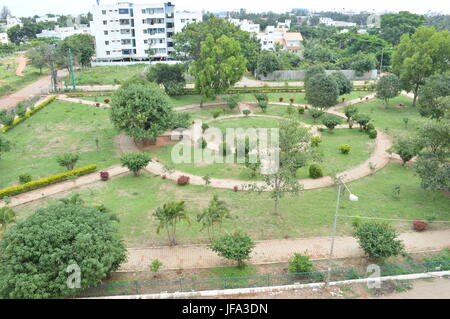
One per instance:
(38, 56)
(432, 164)
(188, 42)
(7, 217)
(378, 240)
(268, 62)
(363, 63)
(237, 247)
(419, 56)
(344, 84)
(363, 120)
(135, 161)
(321, 91)
(142, 111)
(394, 25)
(213, 216)
(168, 216)
(313, 71)
(170, 76)
(406, 148)
(67, 160)
(318, 52)
(37, 253)
(233, 100)
(5, 145)
(289, 60)
(315, 113)
(331, 122)
(388, 87)
(82, 47)
(219, 66)
(431, 103)
(16, 35)
(350, 111)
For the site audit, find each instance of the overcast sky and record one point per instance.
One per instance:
(39, 7)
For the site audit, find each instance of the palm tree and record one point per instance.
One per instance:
(168, 216)
(7, 217)
(213, 215)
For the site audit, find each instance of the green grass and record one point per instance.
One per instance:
(10, 82)
(106, 75)
(60, 127)
(390, 119)
(282, 110)
(309, 214)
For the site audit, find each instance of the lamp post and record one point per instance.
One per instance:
(352, 198)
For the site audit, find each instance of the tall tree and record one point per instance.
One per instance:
(82, 47)
(170, 76)
(38, 56)
(321, 91)
(213, 216)
(419, 56)
(268, 62)
(388, 87)
(219, 66)
(431, 95)
(394, 25)
(345, 86)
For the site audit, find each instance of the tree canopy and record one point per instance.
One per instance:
(321, 91)
(431, 103)
(170, 76)
(394, 25)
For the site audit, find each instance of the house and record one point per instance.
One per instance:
(290, 41)
(62, 33)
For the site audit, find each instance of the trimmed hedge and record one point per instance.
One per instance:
(89, 93)
(19, 189)
(28, 114)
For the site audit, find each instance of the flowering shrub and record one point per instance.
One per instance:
(183, 180)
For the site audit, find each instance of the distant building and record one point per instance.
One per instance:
(132, 32)
(286, 24)
(290, 41)
(331, 23)
(46, 18)
(62, 33)
(4, 38)
(12, 21)
(246, 25)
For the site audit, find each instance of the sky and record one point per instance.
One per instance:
(31, 7)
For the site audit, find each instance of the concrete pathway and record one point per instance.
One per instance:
(65, 98)
(272, 251)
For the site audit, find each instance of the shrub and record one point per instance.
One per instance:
(301, 110)
(106, 101)
(21, 110)
(67, 160)
(263, 105)
(59, 237)
(24, 178)
(291, 101)
(362, 119)
(373, 134)
(261, 96)
(205, 126)
(156, 265)
(330, 122)
(233, 100)
(246, 112)
(345, 148)
(237, 247)
(7, 119)
(216, 112)
(315, 113)
(15, 190)
(315, 171)
(350, 111)
(315, 141)
(420, 225)
(299, 264)
(135, 161)
(183, 180)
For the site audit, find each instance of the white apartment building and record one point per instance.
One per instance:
(62, 33)
(126, 32)
(246, 25)
(46, 18)
(4, 38)
(332, 23)
(12, 21)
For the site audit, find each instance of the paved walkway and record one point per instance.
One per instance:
(271, 251)
(65, 98)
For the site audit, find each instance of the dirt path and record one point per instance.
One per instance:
(271, 251)
(22, 64)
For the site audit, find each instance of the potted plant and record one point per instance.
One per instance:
(106, 101)
(97, 104)
(280, 99)
(104, 176)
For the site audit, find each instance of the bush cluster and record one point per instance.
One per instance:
(345, 148)
(315, 171)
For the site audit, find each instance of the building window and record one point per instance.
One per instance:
(126, 41)
(106, 32)
(182, 20)
(105, 22)
(125, 31)
(124, 11)
(124, 22)
(103, 11)
(106, 42)
(145, 41)
(108, 52)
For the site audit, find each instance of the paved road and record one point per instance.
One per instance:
(40, 87)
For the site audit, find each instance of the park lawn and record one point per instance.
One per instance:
(134, 200)
(10, 82)
(282, 110)
(391, 119)
(106, 75)
(58, 128)
(332, 161)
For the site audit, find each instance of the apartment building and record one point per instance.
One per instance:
(62, 33)
(246, 25)
(290, 41)
(131, 32)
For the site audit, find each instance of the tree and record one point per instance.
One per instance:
(378, 240)
(219, 66)
(38, 56)
(168, 216)
(7, 217)
(16, 35)
(5, 12)
(5, 145)
(41, 252)
(142, 111)
(362, 62)
(237, 247)
(135, 161)
(350, 111)
(321, 91)
(170, 76)
(188, 42)
(300, 264)
(82, 47)
(388, 87)
(313, 71)
(431, 103)
(331, 122)
(406, 148)
(394, 25)
(345, 86)
(213, 216)
(268, 62)
(419, 56)
(432, 164)
(67, 160)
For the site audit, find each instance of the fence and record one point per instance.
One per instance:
(158, 286)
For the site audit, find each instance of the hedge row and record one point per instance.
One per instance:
(89, 93)
(19, 189)
(28, 114)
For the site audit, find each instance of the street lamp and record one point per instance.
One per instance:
(353, 198)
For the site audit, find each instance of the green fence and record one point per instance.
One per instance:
(337, 274)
